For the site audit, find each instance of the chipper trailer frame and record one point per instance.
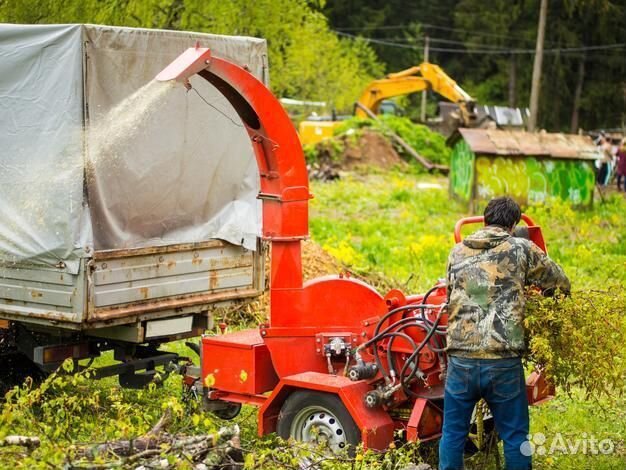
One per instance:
(336, 361)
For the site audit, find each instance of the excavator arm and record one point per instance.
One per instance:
(386, 88)
(423, 77)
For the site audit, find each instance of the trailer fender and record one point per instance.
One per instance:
(425, 422)
(375, 423)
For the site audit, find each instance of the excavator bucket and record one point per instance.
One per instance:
(190, 62)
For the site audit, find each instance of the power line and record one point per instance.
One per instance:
(442, 41)
(436, 27)
(372, 28)
(485, 49)
(476, 33)
(446, 28)
(377, 41)
(602, 47)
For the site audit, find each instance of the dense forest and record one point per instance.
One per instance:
(328, 49)
(490, 50)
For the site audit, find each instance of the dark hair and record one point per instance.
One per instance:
(502, 211)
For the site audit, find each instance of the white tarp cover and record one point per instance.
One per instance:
(164, 167)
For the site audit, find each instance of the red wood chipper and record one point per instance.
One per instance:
(337, 361)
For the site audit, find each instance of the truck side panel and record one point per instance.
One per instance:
(120, 287)
(145, 277)
(42, 294)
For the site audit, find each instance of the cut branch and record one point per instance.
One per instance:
(25, 441)
(218, 449)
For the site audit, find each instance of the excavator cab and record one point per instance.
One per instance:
(391, 107)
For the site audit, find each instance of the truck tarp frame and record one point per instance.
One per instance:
(176, 181)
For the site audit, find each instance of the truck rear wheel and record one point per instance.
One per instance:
(16, 368)
(319, 418)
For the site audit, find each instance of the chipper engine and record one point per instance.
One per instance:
(336, 361)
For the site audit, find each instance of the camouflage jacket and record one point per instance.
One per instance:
(487, 274)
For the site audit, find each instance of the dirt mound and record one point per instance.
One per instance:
(370, 148)
(351, 151)
(316, 262)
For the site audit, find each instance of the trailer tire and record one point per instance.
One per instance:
(321, 418)
(228, 412)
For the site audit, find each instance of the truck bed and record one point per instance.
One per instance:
(122, 287)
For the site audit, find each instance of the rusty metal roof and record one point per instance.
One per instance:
(519, 143)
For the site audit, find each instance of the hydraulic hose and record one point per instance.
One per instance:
(429, 328)
(394, 330)
(428, 292)
(377, 334)
(391, 337)
(417, 351)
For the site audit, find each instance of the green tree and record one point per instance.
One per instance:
(307, 60)
(579, 87)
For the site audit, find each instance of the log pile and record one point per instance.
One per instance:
(155, 449)
(159, 449)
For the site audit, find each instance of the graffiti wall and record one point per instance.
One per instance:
(534, 180)
(462, 171)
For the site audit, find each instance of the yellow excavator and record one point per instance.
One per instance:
(425, 76)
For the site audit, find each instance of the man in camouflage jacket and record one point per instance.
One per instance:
(487, 276)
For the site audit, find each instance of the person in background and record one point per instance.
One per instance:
(486, 279)
(621, 165)
(605, 161)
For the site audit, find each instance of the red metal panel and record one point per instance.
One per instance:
(293, 355)
(237, 362)
(245, 339)
(324, 305)
(286, 269)
(187, 64)
(535, 235)
(425, 422)
(329, 301)
(538, 389)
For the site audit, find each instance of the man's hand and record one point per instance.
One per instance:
(545, 273)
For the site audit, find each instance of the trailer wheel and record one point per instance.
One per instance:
(320, 418)
(222, 409)
(230, 411)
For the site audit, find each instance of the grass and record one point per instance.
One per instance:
(401, 224)
(566, 419)
(396, 224)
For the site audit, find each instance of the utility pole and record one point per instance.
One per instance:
(425, 92)
(536, 81)
(577, 96)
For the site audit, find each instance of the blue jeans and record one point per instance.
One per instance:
(501, 383)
